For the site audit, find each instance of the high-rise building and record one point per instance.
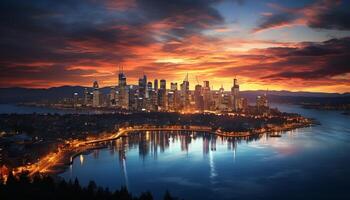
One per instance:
(143, 86)
(149, 89)
(123, 92)
(95, 95)
(185, 93)
(261, 101)
(198, 98)
(112, 96)
(86, 97)
(133, 97)
(156, 84)
(172, 97)
(162, 95)
(206, 95)
(173, 86)
(235, 95)
(75, 99)
(162, 84)
(243, 103)
(142, 93)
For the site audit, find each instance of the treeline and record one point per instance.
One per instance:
(45, 187)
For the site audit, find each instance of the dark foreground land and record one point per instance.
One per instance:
(45, 187)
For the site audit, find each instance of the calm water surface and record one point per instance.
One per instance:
(308, 163)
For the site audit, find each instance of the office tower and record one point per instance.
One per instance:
(156, 84)
(86, 97)
(261, 101)
(206, 95)
(198, 98)
(142, 91)
(185, 96)
(171, 101)
(162, 95)
(221, 95)
(172, 97)
(149, 89)
(112, 97)
(222, 100)
(133, 97)
(143, 86)
(123, 93)
(173, 86)
(162, 84)
(243, 104)
(75, 99)
(95, 95)
(266, 103)
(235, 95)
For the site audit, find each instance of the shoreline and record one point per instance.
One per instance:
(56, 163)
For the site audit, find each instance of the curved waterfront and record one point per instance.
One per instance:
(194, 165)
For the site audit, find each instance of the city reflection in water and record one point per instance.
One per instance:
(152, 144)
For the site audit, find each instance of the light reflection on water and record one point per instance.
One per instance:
(305, 163)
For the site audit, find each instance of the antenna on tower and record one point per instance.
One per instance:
(186, 78)
(197, 80)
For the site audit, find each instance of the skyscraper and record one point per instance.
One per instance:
(86, 98)
(162, 84)
(198, 97)
(123, 94)
(173, 86)
(173, 97)
(235, 95)
(156, 84)
(112, 97)
(206, 95)
(185, 95)
(95, 95)
(162, 95)
(142, 92)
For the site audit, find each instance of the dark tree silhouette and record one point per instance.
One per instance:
(45, 187)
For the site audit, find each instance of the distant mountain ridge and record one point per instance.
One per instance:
(23, 95)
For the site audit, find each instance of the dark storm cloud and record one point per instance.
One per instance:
(36, 30)
(323, 14)
(326, 59)
(337, 19)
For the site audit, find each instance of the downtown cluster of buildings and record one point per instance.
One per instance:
(155, 96)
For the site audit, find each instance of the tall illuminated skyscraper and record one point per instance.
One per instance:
(123, 94)
(172, 97)
(206, 95)
(156, 84)
(112, 96)
(162, 95)
(198, 97)
(185, 93)
(95, 95)
(86, 97)
(235, 95)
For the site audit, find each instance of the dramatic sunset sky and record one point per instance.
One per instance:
(297, 45)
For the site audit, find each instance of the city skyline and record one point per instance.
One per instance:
(154, 95)
(279, 45)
